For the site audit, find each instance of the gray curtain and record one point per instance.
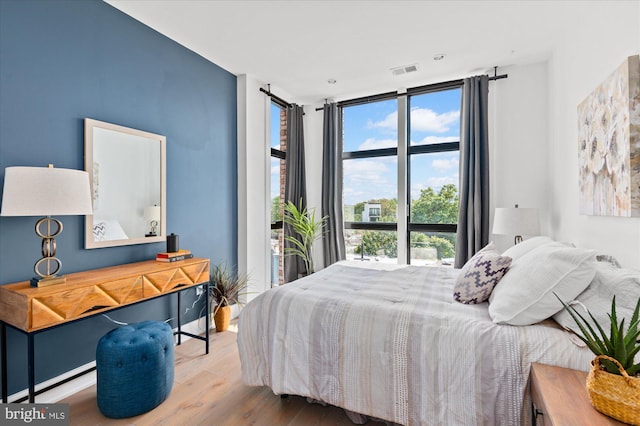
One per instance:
(295, 184)
(333, 239)
(473, 210)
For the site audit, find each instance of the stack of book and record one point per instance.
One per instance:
(174, 257)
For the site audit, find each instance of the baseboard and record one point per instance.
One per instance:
(87, 380)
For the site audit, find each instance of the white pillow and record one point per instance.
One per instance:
(107, 230)
(609, 281)
(525, 296)
(519, 250)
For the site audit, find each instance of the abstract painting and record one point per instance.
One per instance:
(609, 144)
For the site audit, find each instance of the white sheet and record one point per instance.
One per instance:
(394, 345)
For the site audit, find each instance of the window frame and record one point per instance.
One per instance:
(278, 225)
(404, 163)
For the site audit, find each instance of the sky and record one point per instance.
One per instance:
(435, 118)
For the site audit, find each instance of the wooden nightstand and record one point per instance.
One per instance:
(559, 397)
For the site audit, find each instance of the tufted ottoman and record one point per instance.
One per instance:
(134, 365)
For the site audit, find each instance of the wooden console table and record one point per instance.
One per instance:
(34, 310)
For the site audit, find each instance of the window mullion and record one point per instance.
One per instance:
(403, 208)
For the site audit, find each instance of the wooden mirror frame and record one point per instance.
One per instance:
(89, 126)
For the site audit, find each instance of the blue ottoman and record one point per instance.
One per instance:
(134, 365)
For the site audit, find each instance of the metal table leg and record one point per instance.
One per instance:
(206, 318)
(3, 342)
(32, 363)
(179, 327)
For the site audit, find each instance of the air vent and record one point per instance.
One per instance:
(404, 69)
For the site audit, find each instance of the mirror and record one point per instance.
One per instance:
(127, 172)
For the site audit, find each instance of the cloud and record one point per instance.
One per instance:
(444, 164)
(373, 143)
(275, 170)
(367, 179)
(430, 140)
(364, 170)
(389, 122)
(426, 120)
(438, 182)
(422, 119)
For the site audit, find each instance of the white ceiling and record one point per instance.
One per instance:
(298, 45)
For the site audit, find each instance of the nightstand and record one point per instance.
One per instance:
(559, 397)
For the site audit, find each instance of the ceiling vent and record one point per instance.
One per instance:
(404, 69)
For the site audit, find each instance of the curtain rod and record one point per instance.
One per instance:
(414, 90)
(278, 100)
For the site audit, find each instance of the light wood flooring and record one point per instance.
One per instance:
(208, 390)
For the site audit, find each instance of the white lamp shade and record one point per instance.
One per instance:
(45, 191)
(152, 213)
(516, 221)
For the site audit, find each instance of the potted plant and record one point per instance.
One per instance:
(614, 380)
(306, 230)
(225, 287)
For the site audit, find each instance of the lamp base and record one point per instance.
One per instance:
(46, 281)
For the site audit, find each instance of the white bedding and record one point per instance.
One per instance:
(394, 345)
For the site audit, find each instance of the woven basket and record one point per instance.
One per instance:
(613, 395)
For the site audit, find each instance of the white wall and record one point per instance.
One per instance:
(518, 143)
(596, 42)
(253, 181)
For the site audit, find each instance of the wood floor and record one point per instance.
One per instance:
(208, 390)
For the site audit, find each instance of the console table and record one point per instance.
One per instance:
(32, 310)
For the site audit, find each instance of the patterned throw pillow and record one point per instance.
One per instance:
(480, 275)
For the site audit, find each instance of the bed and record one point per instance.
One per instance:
(390, 342)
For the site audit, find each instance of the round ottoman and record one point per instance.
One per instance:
(134, 365)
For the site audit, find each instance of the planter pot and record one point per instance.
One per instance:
(222, 317)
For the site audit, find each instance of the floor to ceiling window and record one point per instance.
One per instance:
(416, 134)
(278, 143)
(370, 185)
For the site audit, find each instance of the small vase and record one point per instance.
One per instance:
(222, 317)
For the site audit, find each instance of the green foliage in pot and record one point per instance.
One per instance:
(306, 230)
(226, 286)
(621, 344)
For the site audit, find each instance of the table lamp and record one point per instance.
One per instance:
(516, 221)
(46, 191)
(152, 214)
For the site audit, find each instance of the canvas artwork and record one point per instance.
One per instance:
(609, 144)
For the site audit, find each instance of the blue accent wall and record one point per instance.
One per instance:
(62, 61)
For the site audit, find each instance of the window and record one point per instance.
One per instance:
(433, 174)
(427, 191)
(370, 183)
(278, 143)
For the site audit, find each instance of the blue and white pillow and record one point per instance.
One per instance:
(480, 275)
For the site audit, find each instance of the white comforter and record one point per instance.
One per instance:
(394, 345)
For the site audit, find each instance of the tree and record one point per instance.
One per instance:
(432, 207)
(377, 243)
(276, 209)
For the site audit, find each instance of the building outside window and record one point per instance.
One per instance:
(427, 189)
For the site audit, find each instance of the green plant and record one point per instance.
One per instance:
(619, 344)
(226, 286)
(306, 230)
